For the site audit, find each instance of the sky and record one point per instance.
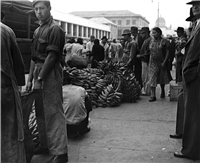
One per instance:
(174, 11)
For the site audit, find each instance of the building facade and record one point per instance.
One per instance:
(124, 19)
(75, 26)
(113, 26)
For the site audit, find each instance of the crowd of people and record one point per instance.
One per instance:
(145, 51)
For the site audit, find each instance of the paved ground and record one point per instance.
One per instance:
(131, 133)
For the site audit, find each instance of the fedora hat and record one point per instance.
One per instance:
(134, 28)
(1, 15)
(180, 29)
(144, 30)
(126, 32)
(193, 1)
(104, 37)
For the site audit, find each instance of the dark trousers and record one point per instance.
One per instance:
(138, 71)
(180, 114)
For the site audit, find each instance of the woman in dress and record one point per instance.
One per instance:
(158, 71)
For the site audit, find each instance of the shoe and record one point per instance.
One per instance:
(85, 131)
(61, 158)
(39, 150)
(162, 95)
(143, 93)
(152, 99)
(175, 136)
(179, 155)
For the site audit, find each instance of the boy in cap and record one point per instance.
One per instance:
(46, 72)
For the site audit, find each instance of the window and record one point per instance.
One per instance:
(119, 32)
(127, 22)
(113, 21)
(133, 22)
(99, 33)
(84, 32)
(80, 31)
(119, 22)
(74, 30)
(69, 28)
(89, 32)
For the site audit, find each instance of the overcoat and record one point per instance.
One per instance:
(191, 79)
(12, 76)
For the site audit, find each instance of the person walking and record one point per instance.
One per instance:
(158, 71)
(46, 71)
(144, 56)
(12, 76)
(191, 86)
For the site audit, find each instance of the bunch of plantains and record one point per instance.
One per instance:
(107, 85)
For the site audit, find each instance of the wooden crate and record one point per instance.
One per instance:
(174, 91)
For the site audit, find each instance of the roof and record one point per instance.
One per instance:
(110, 13)
(102, 20)
(78, 20)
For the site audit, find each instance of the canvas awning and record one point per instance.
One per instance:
(23, 7)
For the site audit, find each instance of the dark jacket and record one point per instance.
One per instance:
(97, 53)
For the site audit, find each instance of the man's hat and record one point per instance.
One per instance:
(144, 30)
(126, 32)
(134, 28)
(1, 15)
(191, 17)
(192, 2)
(180, 29)
(104, 37)
(36, 1)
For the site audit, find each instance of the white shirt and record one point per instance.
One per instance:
(89, 45)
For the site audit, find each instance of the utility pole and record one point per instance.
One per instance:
(158, 23)
(158, 13)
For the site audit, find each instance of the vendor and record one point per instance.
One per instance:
(77, 106)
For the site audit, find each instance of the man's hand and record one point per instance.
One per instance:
(29, 86)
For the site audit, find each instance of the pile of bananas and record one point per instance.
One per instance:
(108, 85)
(109, 97)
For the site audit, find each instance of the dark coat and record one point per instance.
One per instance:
(12, 75)
(191, 79)
(98, 54)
